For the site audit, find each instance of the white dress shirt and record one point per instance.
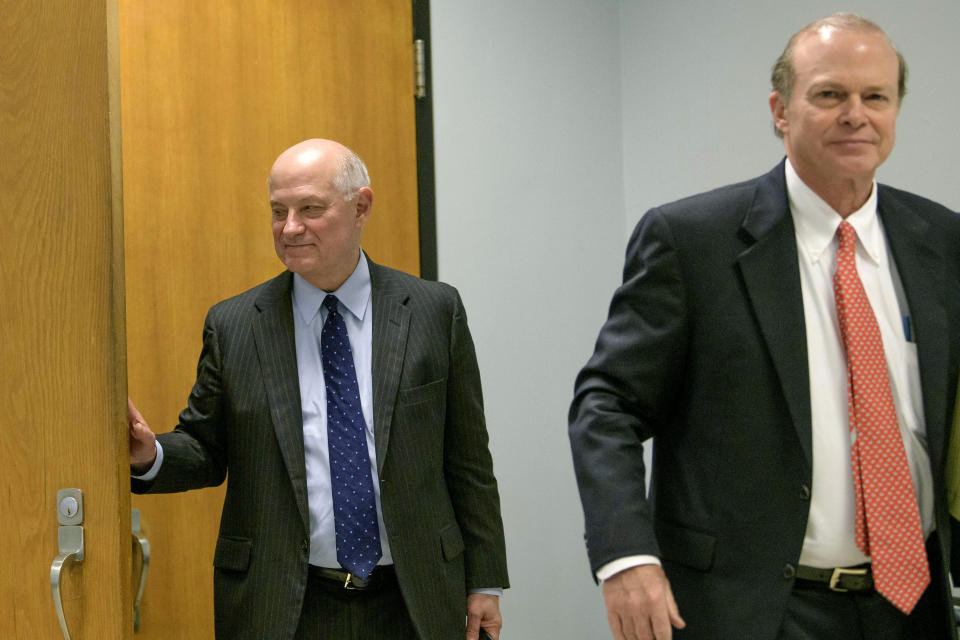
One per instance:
(829, 539)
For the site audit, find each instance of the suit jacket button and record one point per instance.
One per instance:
(789, 571)
(305, 547)
(804, 492)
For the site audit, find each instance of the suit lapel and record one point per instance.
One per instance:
(391, 324)
(771, 275)
(277, 353)
(921, 272)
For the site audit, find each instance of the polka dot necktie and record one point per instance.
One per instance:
(887, 521)
(351, 483)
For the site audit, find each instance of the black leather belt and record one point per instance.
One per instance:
(839, 579)
(381, 575)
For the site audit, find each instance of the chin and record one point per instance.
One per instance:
(298, 266)
(856, 168)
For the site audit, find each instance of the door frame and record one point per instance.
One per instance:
(426, 179)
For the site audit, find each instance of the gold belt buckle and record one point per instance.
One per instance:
(354, 583)
(838, 572)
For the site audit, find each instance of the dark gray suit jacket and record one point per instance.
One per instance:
(439, 496)
(705, 349)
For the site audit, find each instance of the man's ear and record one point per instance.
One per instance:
(778, 109)
(364, 203)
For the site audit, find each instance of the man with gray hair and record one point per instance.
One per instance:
(792, 343)
(344, 400)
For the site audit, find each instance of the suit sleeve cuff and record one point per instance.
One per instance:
(154, 470)
(610, 569)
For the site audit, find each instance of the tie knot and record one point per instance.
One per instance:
(847, 236)
(330, 302)
(846, 244)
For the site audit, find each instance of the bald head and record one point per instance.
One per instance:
(320, 201)
(339, 164)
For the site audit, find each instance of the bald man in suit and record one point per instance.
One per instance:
(338, 378)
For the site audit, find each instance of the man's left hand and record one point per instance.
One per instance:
(483, 611)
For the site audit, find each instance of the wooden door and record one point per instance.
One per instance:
(212, 93)
(62, 349)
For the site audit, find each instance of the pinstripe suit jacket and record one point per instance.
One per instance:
(439, 496)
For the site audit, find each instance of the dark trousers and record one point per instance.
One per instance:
(814, 612)
(331, 612)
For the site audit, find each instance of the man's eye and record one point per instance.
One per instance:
(313, 210)
(279, 214)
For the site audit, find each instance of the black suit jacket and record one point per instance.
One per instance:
(705, 349)
(439, 496)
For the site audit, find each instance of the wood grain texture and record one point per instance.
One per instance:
(63, 384)
(211, 94)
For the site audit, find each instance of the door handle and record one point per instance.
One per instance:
(69, 543)
(140, 540)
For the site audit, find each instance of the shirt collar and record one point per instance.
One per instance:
(816, 221)
(354, 293)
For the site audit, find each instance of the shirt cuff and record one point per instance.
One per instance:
(154, 470)
(611, 569)
(489, 591)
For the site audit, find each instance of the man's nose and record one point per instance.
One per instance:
(854, 114)
(293, 225)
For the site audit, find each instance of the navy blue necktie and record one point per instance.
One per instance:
(351, 483)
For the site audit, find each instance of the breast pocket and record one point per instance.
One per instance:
(431, 391)
(417, 431)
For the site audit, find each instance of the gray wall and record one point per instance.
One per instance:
(696, 80)
(530, 229)
(558, 123)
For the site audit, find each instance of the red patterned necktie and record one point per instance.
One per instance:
(888, 521)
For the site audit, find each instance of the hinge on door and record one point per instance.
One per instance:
(419, 69)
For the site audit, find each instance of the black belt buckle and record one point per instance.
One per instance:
(839, 572)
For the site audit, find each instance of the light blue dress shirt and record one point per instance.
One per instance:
(309, 314)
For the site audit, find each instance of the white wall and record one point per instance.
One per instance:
(557, 124)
